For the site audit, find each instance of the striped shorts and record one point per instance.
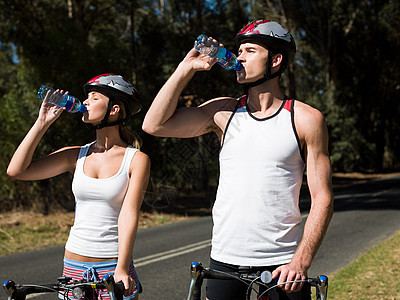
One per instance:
(78, 270)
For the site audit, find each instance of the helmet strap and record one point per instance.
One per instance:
(104, 122)
(107, 115)
(102, 125)
(267, 75)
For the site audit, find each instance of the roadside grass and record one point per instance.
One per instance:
(374, 275)
(30, 231)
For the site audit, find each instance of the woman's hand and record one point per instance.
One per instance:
(127, 280)
(49, 112)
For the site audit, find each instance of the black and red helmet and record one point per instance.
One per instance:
(270, 35)
(116, 87)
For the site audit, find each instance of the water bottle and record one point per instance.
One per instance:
(71, 103)
(227, 59)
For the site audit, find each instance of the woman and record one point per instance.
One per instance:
(110, 179)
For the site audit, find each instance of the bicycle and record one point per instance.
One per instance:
(79, 288)
(262, 279)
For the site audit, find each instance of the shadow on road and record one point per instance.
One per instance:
(378, 194)
(351, 193)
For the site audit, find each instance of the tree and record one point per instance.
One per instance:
(64, 43)
(342, 68)
(346, 65)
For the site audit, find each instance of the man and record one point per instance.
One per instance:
(266, 140)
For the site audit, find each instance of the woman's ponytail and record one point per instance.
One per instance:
(129, 137)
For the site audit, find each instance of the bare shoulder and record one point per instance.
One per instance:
(141, 157)
(140, 160)
(303, 110)
(220, 110)
(308, 120)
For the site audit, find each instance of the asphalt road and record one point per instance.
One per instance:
(365, 215)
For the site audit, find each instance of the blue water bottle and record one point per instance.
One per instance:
(71, 103)
(227, 59)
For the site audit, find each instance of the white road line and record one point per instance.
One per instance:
(142, 261)
(146, 260)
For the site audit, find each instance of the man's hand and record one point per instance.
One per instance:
(290, 272)
(199, 61)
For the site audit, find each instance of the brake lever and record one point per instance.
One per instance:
(9, 287)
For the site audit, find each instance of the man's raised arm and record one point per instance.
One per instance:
(163, 119)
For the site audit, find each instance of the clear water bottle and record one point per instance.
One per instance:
(71, 103)
(227, 59)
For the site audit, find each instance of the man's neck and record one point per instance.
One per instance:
(265, 99)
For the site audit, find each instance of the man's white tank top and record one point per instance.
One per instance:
(256, 214)
(97, 206)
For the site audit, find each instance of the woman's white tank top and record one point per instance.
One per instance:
(97, 206)
(256, 213)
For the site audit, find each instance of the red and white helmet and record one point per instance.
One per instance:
(270, 35)
(116, 87)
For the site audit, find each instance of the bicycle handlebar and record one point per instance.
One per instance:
(198, 273)
(20, 291)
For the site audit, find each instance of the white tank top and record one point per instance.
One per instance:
(256, 214)
(97, 206)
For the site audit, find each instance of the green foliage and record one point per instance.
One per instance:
(346, 66)
(350, 151)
